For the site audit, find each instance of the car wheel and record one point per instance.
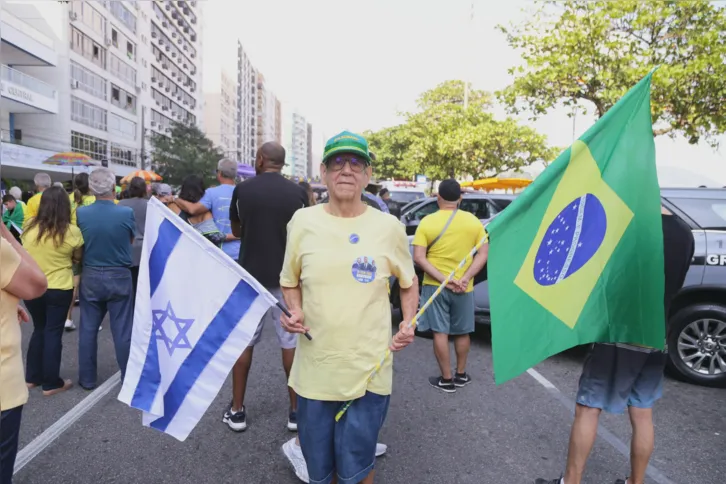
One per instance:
(697, 344)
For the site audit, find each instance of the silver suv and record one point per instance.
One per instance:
(697, 319)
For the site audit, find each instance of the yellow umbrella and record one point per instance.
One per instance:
(148, 176)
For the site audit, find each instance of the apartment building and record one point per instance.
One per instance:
(95, 77)
(296, 146)
(221, 114)
(247, 108)
(268, 113)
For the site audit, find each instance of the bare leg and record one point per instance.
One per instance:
(76, 282)
(369, 478)
(441, 351)
(461, 346)
(288, 355)
(240, 372)
(642, 443)
(582, 438)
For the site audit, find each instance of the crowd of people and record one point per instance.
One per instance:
(324, 260)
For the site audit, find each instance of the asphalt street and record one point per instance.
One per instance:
(482, 434)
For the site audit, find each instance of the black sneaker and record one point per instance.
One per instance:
(548, 481)
(461, 379)
(292, 421)
(443, 385)
(236, 421)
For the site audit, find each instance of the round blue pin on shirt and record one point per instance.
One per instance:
(353, 238)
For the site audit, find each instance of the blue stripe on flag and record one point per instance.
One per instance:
(224, 322)
(150, 378)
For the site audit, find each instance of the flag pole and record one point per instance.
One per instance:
(287, 313)
(420, 312)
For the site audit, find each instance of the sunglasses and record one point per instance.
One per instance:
(357, 165)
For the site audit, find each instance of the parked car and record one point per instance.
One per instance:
(696, 334)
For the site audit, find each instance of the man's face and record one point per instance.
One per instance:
(345, 176)
(386, 196)
(10, 204)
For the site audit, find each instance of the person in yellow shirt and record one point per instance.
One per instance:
(20, 278)
(443, 239)
(338, 259)
(42, 183)
(55, 244)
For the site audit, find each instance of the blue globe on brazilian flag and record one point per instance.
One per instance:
(578, 256)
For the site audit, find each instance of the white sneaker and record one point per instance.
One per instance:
(381, 449)
(294, 454)
(70, 325)
(100, 328)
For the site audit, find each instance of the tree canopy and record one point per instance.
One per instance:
(590, 53)
(185, 152)
(443, 139)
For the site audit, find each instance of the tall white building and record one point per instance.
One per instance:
(268, 113)
(296, 145)
(221, 115)
(87, 76)
(247, 107)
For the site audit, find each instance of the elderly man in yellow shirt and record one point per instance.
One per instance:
(338, 260)
(42, 183)
(20, 278)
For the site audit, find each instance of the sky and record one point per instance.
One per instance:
(357, 65)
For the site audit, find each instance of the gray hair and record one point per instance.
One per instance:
(227, 168)
(42, 180)
(16, 192)
(58, 184)
(102, 182)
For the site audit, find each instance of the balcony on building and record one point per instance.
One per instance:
(23, 44)
(22, 93)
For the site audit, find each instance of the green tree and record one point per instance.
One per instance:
(447, 139)
(185, 152)
(590, 53)
(390, 146)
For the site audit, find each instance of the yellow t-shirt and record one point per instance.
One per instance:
(31, 208)
(343, 266)
(85, 201)
(464, 232)
(12, 374)
(55, 262)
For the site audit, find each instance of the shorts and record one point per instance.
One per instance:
(347, 447)
(614, 378)
(76, 269)
(450, 313)
(287, 340)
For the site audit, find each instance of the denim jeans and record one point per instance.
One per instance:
(9, 433)
(46, 344)
(104, 289)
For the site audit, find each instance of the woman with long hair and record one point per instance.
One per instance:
(309, 191)
(192, 190)
(138, 203)
(80, 197)
(55, 244)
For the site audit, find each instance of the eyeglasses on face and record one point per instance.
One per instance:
(337, 163)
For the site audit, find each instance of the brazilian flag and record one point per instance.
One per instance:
(578, 256)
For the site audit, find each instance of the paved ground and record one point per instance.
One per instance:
(482, 434)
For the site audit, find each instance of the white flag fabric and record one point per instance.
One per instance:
(196, 312)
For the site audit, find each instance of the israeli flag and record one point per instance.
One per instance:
(196, 312)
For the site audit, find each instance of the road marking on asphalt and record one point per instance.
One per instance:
(30, 451)
(606, 435)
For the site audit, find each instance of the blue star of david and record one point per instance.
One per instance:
(181, 340)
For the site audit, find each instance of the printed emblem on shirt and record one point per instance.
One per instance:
(364, 269)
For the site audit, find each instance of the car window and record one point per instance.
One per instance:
(406, 196)
(707, 213)
(425, 209)
(479, 207)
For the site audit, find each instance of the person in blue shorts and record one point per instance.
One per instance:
(619, 377)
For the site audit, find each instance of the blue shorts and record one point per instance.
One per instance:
(346, 448)
(450, 313)
(616, 377)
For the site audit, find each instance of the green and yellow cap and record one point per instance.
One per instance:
(347, 142)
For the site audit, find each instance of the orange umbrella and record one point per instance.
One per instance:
(148, 176)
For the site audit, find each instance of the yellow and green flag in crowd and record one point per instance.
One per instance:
(578, 256)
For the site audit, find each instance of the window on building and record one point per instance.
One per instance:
(130, 49)
(122, 70)
(114, 37)
(123, 14)
(87, 81)
(121, 126)
(115, 93)
(86, 113)
(123, 155)
(94, 147)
